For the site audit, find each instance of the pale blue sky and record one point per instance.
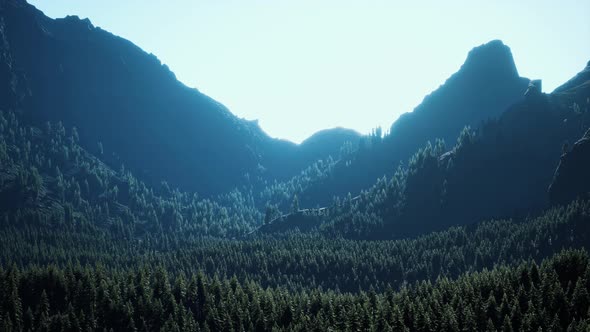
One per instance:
(302, 66)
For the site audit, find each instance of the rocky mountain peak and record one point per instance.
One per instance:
(491, 59)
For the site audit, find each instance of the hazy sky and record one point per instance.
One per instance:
(301, 66)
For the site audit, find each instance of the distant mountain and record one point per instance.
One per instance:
(484, 87)
(502, 169)
(130, 109)
(325, 142)
(88, 245)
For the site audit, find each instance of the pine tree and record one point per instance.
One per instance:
(492, 308)
(555, 324)
(469, 322)
(14, 299)
(295, 204)
(580, 303)
(29, 320)
(202, 296)
(44, 308)
(507, 325)
(490, 326)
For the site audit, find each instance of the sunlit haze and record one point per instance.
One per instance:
(302, 66)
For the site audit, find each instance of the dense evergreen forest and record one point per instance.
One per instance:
(528, 297)
(479, 224)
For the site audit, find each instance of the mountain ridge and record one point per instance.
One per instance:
(465, 237)
(132, 105)
(483, 87)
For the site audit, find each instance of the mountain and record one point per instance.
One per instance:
(581, 81)
(500, 170)
(96, 101)
(130, 109)
(482, 89)
(488, 233)
(571, 179)
(326, 142)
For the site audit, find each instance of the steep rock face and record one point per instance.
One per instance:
(572, 177)
(114, 93)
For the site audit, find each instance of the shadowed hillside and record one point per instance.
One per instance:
(484, 87)
(132, 106)
(130, 202)
(500, 170)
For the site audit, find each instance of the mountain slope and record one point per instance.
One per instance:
(484, 87)
(501, 170)
(126, 103)
(571, 178)
(88, 245)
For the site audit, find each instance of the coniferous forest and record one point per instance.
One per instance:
(471, 213)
